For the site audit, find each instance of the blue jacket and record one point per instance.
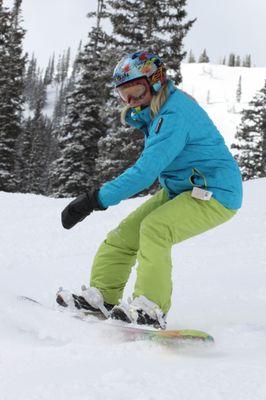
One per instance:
(183, 148)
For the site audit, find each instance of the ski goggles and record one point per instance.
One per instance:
(134, 90)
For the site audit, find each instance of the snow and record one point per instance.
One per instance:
(219, 287)
(215, 87)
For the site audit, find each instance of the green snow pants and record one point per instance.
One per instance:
(147, 235)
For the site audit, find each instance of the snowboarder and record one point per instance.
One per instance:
(201, 189)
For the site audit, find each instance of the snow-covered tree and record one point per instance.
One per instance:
(35, 85)
(251, 138)
(153, 25)
(60, 105)
(203, 58)
(247, 61)
(62, 66)
(30, 78)
(34, 152)
(239, 89)
(12, 63)
(74, 171)
(231, 60)
(58, 69)
(49, 72)
(191, 57)
(65, 88)
(238, 61)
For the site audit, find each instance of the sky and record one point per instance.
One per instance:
(222, 27)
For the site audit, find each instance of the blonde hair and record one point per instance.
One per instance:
(157, 102)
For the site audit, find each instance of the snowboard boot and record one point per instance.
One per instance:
(140, 311)
(121, 312)
(90, 301)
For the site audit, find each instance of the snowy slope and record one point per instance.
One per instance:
(219, 286)
(215, 86)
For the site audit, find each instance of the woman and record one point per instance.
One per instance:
(201, 188)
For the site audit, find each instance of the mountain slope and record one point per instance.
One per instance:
(215, 86)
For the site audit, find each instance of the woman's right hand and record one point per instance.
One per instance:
(80, 208)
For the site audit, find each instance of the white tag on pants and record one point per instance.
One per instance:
(201, 194)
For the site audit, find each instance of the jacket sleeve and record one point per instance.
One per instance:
(167, 138)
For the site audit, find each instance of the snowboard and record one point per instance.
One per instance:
(132, 332)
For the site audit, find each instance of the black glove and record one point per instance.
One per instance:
(80, 208)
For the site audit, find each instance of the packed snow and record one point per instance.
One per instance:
(219, 287)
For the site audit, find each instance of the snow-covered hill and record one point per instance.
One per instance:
(219, 286)
(215, 86)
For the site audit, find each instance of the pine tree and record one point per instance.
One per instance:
(238, 61)
(203, 58)
(39, 91)
(251, 138)
(39, 152)
(65, 88)
(35, 152)
(60, 106)
(64, 91)
(247, 61)
(76, 67)
(59, 69)
(74, 170)
(35, 85)
(65, 65)
(239, 89)
(46, 78)
(153, 25)
(52, 69)
(49, 72)
(11, 84)
(29, 78)
(191, 58)
(232, 60)
(24, 156)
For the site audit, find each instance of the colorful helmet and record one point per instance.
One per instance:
(138, 65)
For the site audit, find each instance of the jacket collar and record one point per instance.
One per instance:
(144, 115)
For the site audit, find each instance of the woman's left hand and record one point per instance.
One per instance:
(80, 208)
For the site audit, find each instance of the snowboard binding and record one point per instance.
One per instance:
(90, 301)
